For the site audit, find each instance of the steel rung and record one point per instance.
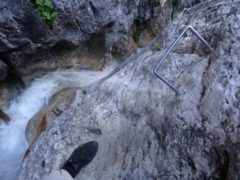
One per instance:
(171, 48)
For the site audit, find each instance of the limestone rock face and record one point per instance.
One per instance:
(186, 3)
(143, 129)
(25, 38)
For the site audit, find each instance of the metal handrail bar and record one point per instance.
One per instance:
(171, 48)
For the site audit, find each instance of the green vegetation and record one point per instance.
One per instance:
(157, 46)
(136, 35)
(45, 8)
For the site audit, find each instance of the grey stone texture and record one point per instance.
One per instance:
(143, 129)
(26, 40)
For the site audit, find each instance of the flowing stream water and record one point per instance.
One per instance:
(13, 143)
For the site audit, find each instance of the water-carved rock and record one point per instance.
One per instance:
(58, 104)
(147, 132)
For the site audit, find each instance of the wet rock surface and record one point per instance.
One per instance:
(59, 103)
(9, 90)
(143, 129)
(4, 116)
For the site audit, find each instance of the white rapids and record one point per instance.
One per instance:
(13, 143)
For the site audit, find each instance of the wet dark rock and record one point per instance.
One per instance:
(3, 70)
(4, 116)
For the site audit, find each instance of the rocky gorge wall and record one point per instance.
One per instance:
(28, 43)
(146, 131)
(86, 34)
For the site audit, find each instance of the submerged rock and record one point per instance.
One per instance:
(4, 116)
(147, 132)
(9, 90)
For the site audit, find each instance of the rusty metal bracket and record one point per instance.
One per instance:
(171, 48)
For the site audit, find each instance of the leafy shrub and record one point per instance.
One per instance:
(45, 8)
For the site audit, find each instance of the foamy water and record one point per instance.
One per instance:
(13, 143)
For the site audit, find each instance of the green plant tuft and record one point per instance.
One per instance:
(157, 46)
(136, 35)
(45, 8)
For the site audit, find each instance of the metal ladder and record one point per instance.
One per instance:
(171, 48)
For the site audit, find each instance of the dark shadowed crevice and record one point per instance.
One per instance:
(94, 9)
(221, 160)
(96, 44)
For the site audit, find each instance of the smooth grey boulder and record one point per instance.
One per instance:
(147, 132)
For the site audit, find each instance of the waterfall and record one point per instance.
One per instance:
(13, 143)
